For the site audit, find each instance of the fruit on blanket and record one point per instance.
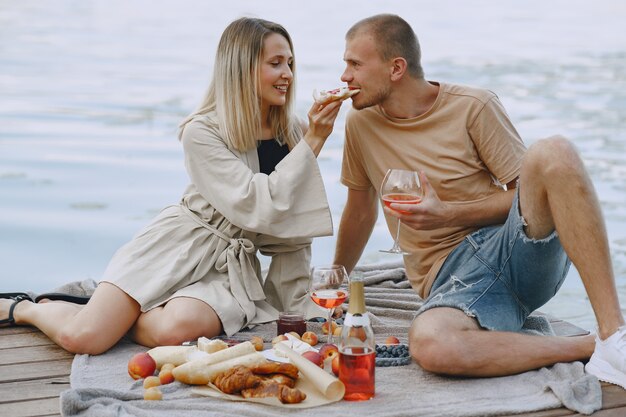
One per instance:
(329, 351)
(294, 334)
(279, 339)
(392, 340)
(333, 326)
(141, 366)
(314, 357)
(153, 393)
(166, 376)
(151, 381)
(337, 331)
(257, 342)
(310, 338)
(335, 365)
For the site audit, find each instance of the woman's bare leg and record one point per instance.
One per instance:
(179, 320)
(92, 328)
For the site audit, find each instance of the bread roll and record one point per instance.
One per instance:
(211, 345)
(170, 354)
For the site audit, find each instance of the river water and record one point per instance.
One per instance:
(91, 93)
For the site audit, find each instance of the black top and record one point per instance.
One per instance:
(270, 154)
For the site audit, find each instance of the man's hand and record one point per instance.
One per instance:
(429, 214)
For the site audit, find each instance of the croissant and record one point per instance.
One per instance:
(236, 379)
(269, 388)
(281, 379)
(276, 368)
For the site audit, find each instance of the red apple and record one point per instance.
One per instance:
(141, 366)
(314, 357)
(335, 365)
(329, 351)
(392, 340)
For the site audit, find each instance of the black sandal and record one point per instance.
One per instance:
(17, 298)
(57, 296)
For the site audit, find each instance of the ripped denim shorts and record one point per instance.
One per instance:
(499, 276)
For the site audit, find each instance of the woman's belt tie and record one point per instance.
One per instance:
(237, 261)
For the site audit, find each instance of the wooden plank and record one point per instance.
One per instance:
(33, 390)
(24, 339)
(33, 354)
(613, 397)
(32, 408)
(35, 370)
(614, 412)
(555, 412)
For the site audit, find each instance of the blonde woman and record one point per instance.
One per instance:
(255, 186)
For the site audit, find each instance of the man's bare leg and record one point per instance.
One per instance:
(556, 193)
(446, 341)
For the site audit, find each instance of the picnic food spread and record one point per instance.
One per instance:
(291, 373)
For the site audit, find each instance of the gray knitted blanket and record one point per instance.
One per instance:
(101, 385)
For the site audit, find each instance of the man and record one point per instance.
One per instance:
(493, 237)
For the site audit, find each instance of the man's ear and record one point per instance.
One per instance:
(398, 68)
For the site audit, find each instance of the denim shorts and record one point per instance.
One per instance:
(499, 276)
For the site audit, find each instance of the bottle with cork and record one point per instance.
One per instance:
(357, 347)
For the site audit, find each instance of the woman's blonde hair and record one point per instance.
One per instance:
(234, 90)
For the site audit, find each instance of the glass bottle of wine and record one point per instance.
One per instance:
(357, 347)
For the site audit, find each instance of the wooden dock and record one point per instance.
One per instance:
(34, 372)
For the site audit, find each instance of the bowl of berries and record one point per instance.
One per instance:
(392, 353)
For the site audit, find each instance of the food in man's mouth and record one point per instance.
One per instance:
(341, 93)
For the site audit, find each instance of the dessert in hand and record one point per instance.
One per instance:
(341, 93)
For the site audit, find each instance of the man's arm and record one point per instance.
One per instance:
(432, 213)
(357, 223)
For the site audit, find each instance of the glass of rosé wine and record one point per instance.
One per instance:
(402, 187)
(325, 291)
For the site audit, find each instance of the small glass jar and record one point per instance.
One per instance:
(290, 321)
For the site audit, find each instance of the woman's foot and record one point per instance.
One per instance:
(9, 302)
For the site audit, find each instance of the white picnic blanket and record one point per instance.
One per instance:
(101, 385)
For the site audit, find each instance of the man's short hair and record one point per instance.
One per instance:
(394, 37)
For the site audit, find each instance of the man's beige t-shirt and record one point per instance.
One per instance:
(466, 145)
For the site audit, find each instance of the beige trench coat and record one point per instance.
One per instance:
(206, 246)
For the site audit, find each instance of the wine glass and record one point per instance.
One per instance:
(325, 292)
(400, 186)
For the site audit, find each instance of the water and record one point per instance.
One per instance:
(91, 93)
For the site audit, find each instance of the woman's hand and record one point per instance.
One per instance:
(321, 122)
(429, 214)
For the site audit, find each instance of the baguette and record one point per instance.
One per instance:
(176, 355)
